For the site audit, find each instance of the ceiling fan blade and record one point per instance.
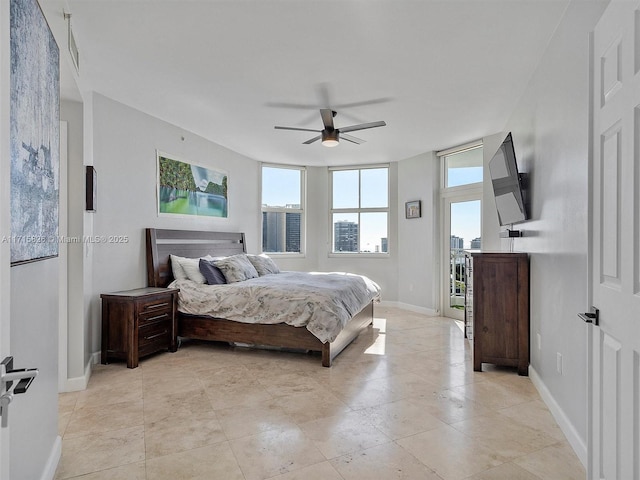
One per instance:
(362, 126)
(296, 128)
(295, 106)
(351, 138)
(311, 140)
(327, 118)
(373, 101)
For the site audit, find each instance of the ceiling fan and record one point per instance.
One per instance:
(330, 135)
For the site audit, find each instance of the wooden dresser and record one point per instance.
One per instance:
(138, 322)
(499, 309)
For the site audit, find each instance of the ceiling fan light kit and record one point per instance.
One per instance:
(329, 134)
(330, 139)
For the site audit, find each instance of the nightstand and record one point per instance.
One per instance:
(138, 322)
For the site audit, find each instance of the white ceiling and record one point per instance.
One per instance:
(440, 73)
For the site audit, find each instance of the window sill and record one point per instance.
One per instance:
(285, 255)
(359, 255)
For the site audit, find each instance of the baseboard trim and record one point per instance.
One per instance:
(412, 308)
(575, 440)
(95, 358)
(50, 468)
(77, 384)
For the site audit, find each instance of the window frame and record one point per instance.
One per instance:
(301, 210)
(359, 210)
(443, 154)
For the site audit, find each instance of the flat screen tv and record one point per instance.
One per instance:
(507, 184)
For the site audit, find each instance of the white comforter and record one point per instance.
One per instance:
(322, 302)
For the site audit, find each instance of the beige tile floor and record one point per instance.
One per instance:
(402, 402)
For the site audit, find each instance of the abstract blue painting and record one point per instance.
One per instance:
(35, 134)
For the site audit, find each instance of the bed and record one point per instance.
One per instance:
(161, 243)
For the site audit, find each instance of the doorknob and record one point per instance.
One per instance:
(591, 317)
(23, 376)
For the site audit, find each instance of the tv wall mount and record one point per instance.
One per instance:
(508, 233)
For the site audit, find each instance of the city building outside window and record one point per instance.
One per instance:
(283, 194)
(360, 210)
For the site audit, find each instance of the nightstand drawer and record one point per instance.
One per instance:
(159, 331)
(155, 305)
(154, 316)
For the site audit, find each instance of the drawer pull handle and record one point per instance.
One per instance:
(162, 334)
(150, 319)
(157, 305)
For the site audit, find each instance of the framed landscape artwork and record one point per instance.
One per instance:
(34, 119)
(188, 189)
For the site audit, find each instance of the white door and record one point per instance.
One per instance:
(614, 353)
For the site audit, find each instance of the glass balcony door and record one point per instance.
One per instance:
(462, 218)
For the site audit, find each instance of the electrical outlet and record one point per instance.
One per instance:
(559, 362)
(539, 339)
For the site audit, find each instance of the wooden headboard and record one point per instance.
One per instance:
(185, 243)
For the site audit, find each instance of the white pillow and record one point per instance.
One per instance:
(188, 268)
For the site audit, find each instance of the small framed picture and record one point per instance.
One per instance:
(412, 209)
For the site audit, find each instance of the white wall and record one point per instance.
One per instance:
(124, 155)
(550, 132)
(75, 361)
(418, 263)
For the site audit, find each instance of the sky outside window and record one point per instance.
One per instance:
(465, 220)
(280, 186)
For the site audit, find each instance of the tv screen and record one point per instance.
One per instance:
(507, 185)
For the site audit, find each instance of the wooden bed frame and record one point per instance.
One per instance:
(185, 243)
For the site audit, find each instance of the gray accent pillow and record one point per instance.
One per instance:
(263, 264)
(212, 273)
(236, 268)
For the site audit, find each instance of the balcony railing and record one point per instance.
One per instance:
(456, 282)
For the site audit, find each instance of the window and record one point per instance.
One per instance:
(360, 210)
(283, 209)
(463, 167)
